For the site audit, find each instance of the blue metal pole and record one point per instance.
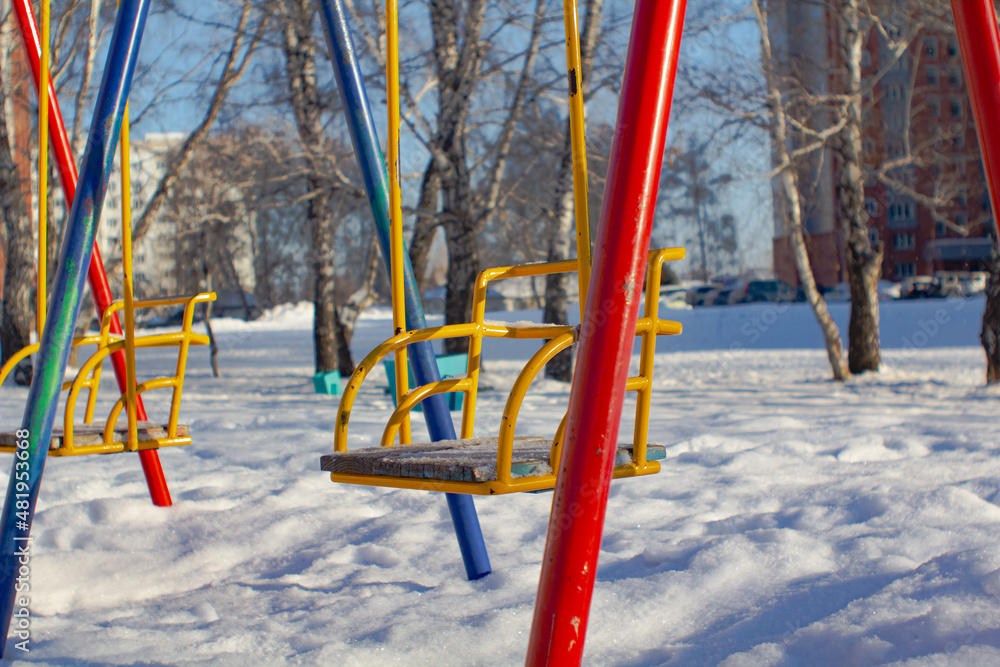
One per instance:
(64, 307)
(370, 159)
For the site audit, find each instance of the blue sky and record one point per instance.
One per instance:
(173, 46)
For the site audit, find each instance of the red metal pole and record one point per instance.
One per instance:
(581, 495)
(979, 40)
(96, 276)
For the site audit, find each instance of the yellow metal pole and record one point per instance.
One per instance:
(126, 194)
(43, 173)
(396, 206)
(578, 136)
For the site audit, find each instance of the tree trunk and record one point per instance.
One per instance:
(831, 335)
(299, 46)
(561, 231)
(863, 263)
(347, 315)
(463, 266)
(324, 294)
(15, 325)
(425, 224)
(213, 347)
(457, 60)
(989, 334)
(790, 192)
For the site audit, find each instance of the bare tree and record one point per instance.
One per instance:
(469, 136)
(785, 170)
(246, 38)
(323, 176)
(864, 263)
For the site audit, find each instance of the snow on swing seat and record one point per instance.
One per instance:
(151, 436)
(473, 460)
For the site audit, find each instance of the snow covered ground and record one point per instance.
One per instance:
(797, 521)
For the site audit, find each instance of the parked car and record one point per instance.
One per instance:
(889, 290)
(769, 291)
(673, 296)
(696, 296)
(975, 283)
(920, 287)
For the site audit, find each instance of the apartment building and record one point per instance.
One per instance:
(917, 114)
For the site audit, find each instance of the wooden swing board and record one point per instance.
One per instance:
(89, 439)
(464, 466)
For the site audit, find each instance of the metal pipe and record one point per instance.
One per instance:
(579, 503)
(369, 155)
(396, 248)
(979, 41)
(578, 141)
(41, 284)
(100, 290)
(81, 228)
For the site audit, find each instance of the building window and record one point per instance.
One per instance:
(932, 76)
(956, 107)
(905, 270)
(952, 48)
(930, 47)
(904, 241)
(873, 237)
(940, 229)
(871, 207)
(962, 221)
(954, 78)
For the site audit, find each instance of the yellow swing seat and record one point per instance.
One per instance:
(502, 464)
(78, 439)
(462, 466)
(151, 436)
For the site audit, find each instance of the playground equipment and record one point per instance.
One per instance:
(97, 278)
(34, 440)
(361, 123)
(138, 434)
(504, 464)
(587, 464)
(585, 461)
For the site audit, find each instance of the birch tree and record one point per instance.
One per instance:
(785, 171)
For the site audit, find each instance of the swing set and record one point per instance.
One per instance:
(506, 463)
(137, 434)
(578, 461)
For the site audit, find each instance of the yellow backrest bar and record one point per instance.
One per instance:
(126, 196)
(578, 135)
(396, 205)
